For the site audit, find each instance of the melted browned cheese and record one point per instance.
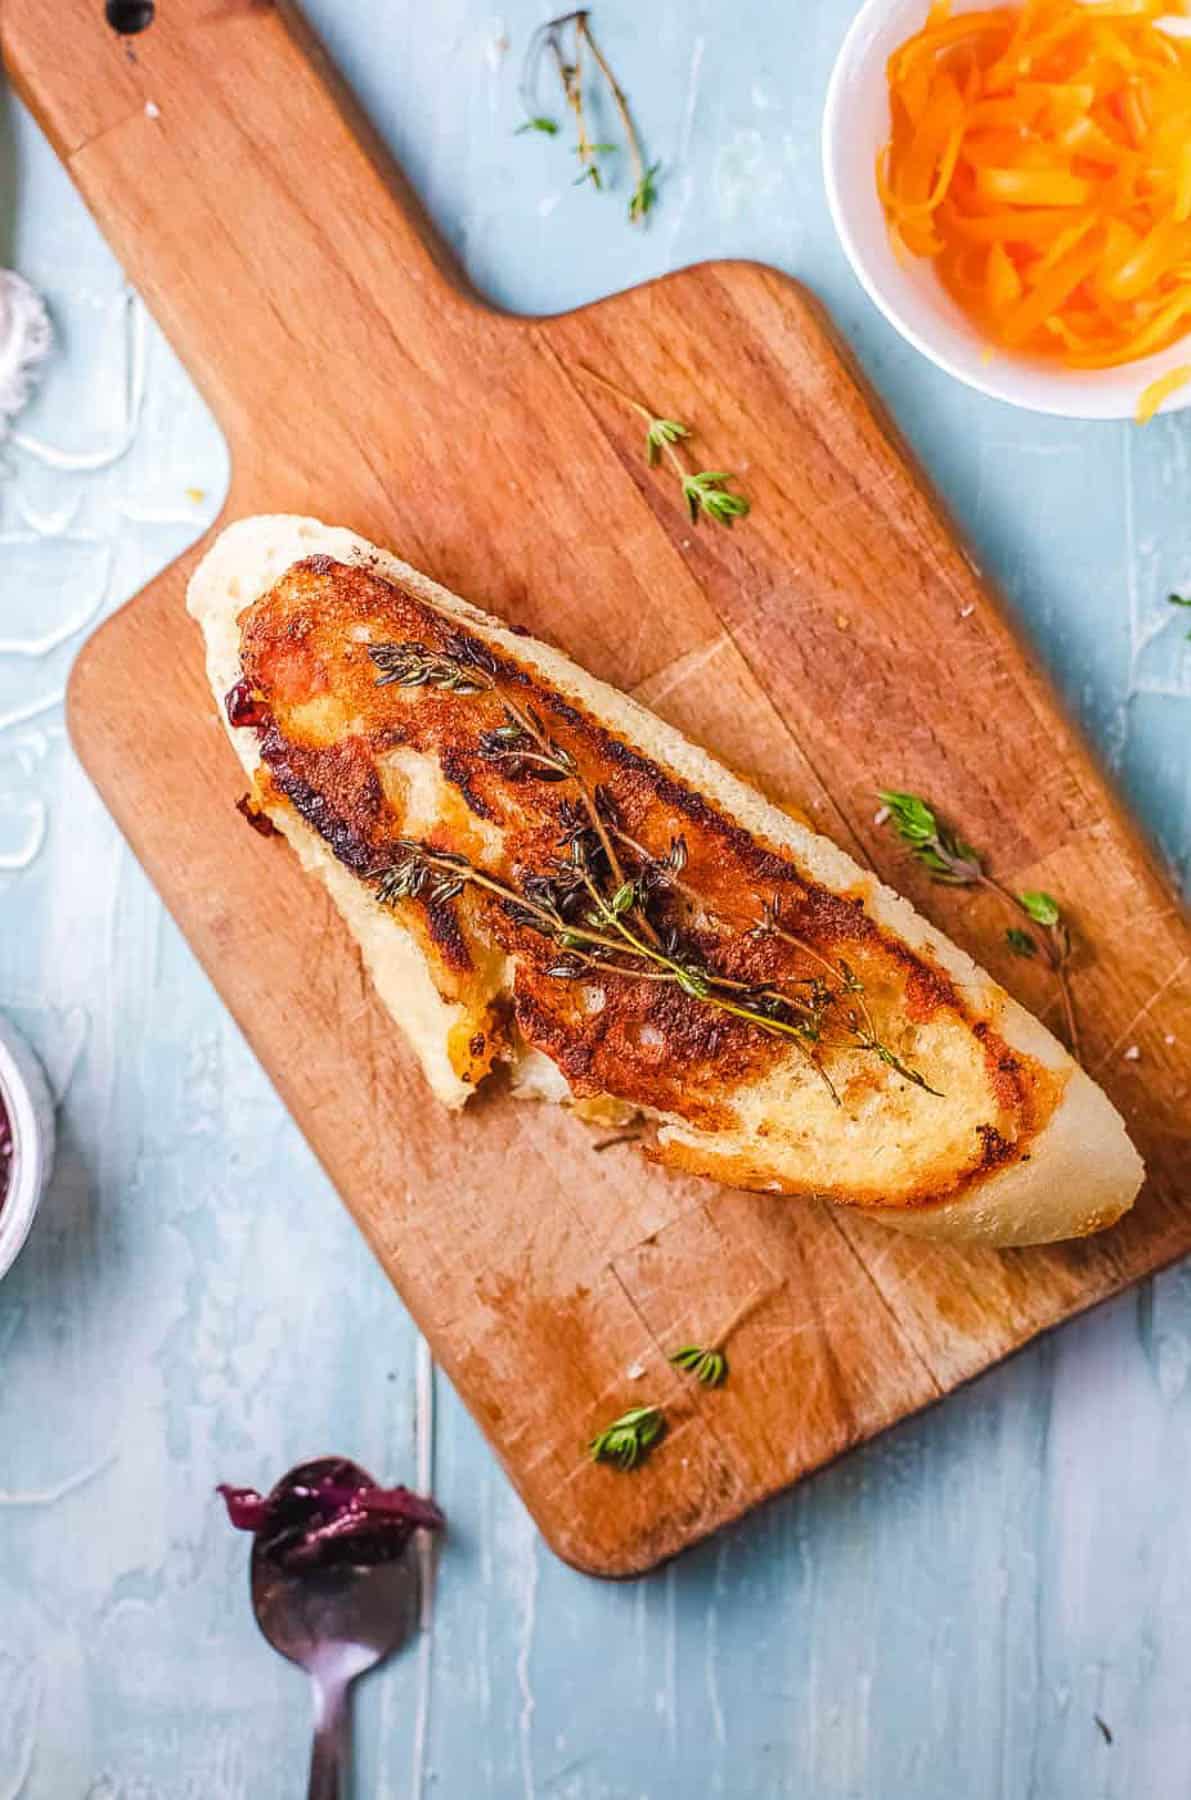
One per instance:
(336, 745)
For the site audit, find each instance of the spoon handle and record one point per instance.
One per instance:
(328, 1757)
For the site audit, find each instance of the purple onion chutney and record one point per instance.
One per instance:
(5, 1151)
(336, 1520)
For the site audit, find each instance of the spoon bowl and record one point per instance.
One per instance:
(334, 1622)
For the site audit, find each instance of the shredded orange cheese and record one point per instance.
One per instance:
(1153, 396)
(1040, 155)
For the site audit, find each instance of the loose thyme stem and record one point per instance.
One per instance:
(1056, 958)
(589, 807)
(664, 443)
(464, 674)
(572, 92)
(840, 973)
(708, 1363)
(552, 36)
(583, 35)
(629, 1439)
(703, 490)
(698, 986)
(571, 76)
(743, 1312)
(707, 980)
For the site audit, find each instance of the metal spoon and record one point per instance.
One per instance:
(334, 1623)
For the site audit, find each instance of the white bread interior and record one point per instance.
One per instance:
(1082, 1173)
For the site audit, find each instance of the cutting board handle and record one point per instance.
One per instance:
(243, 193)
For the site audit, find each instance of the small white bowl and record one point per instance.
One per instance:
(25, 1096)
(855, 127)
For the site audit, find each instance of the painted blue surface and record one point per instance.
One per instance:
(940, 1616)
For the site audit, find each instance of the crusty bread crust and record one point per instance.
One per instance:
(1082, 1171)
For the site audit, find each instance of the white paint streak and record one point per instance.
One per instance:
(75, 622)
(524, 1679)
(28, 848)
(79, 461)
(23, 1763)
(48, 524)
(694, 71)
(745, 178)
(496, 48)
(26, 340)
(711, 1651)
(20, 714)
(670, 1662)
(50, 1496)
(424, 1439)
(144, 512)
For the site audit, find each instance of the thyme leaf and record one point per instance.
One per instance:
(659, 433)
(644, 196)
(705, 492)
(710, 1367)
(1042, 908)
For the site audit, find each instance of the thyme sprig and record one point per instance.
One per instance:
(858, 1018)
(659, 433)
(566, 41)
(412, 665)
(629, 1439)
(522, 744)
(601, 939)
(952, 861)
(708, 1363)
(1180, 600)
(932, 841)
(587, 904)
(570, 73)
(709, 1367)
(703, 489)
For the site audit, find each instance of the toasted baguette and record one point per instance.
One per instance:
(1016, 1145)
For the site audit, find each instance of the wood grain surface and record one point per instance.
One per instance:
(839, 641)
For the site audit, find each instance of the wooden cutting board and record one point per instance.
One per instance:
(838, 641)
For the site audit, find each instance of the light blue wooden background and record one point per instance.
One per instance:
(942, 1615)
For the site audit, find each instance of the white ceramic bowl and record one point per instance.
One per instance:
(25, 1095)
(855, 127)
